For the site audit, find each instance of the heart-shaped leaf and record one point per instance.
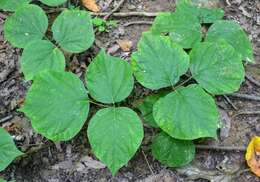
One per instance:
(184, 30)
(12, 5)
(217, 67)
(172, 152)
(186, 114)
(53, 2)
(109, 79)
(27, 24)
(57, 104)
(233, 33)
(115, 134)
(159, 62)
(204, 14)
(73, 31)
(8, 150)
(41, 55)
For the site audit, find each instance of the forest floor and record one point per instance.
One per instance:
(73, 161)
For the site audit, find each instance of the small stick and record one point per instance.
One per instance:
(5, 119)
(114, 10)
(245, 96)
(230, 102)
(138, 23)
(246, 113)
(225, 148)
(150, 168)
(251, 79)
(127, 14)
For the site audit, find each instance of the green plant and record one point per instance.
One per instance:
(103, 25)
(58, 103)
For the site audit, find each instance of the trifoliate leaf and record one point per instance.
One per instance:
(146, 107)
(53, 2)
(159, 62)
(204, 14)
(41, 55)
(115, 134)
(233, 33)
(172, 152)
(187, 113)
(8, 150)
(57, 104)
(217, 67)
(73, 31)
(109, 79)
(184, 30)
(12, 5)
(27, 24)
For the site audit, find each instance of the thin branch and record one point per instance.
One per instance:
(245, 96)
(138, 23)
(128, 14)
(98, 104)
(5, 119)
(246, 113)
(224, 148)
(251, 79)
(181, 84)
(230, 102)
(114, 10)
(147, 162)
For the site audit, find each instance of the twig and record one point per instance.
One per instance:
(245, 96)
(150, 168)
(251, 79)
(114, 10)
(127, 14)
(225, 148)
(5, 119)
(138, 23)
(98, 104)
(230, 102)
(246, 113)
(181, 84)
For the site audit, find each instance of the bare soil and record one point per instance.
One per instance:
(73, 161)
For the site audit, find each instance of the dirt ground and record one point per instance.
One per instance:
(73, 161)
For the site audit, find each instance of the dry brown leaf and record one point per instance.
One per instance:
(253, 155)
(125, 45)
(91, 5)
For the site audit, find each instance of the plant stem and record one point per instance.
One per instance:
(181, 84)
(98, 104)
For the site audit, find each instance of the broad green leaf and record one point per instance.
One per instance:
(53, 2)
(109, 79)
(172, 152)
(8, 150)
(159, 62)
(41, 55)
(2, 180)
(187, 113)
(73, 31)
(115, 135)
(233, 33)
(12, 5)
(184, 30)
(57, 104)
(146, 108)
(217, 67)
(27, 24)
(204, 14)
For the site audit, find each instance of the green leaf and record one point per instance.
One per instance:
(57, 104)
(27, 24)
(98, 21)
(73, 31)
(186, 114)
(41, 55)
(8, 150)
(217, 67)
(234, 35)
(204, 14)
(12, 5)
(146, 108)
(115, 134)
(53, 2)
(159, 62)
(184, 30)
(172, 152)
(109, 79)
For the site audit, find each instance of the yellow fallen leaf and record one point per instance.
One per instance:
(91, 5)
(125, 45)
(253, 155)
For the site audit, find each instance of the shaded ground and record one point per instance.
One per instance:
(73, 161)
